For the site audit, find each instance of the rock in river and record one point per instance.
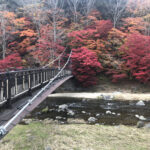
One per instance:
(140, 124)
(140, 117)
(92, 120)
(63, 107)
(108, 112)
(71, 113)
(140, 103)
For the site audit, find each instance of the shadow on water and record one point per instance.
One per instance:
(104, 111)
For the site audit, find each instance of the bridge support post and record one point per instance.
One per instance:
(8, 89)
(29, 84)
(41, 78)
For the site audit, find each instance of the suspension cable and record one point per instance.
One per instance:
(3, 129)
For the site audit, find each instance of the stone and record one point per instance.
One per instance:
(83, 112)
(71, 113)
(108, 112)
(92, 120)
(58, 117)
(142, 118)
(140, 124)
(97, 115)
(137, 116)
(113, 113)
(140, 103)
(63, 107)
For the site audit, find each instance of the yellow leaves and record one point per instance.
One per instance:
(29, 33)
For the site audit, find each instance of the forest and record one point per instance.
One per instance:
(110, 37)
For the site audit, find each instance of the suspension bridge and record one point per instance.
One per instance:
(22, 91)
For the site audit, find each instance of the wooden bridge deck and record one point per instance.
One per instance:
(7, 114)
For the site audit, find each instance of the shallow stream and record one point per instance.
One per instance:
(107, 112)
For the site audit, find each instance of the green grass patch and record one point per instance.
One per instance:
(38, 136)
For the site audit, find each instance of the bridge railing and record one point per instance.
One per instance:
(16, 83)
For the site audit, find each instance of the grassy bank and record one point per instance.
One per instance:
(41, 135)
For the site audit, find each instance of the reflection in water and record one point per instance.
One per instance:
(104, 112)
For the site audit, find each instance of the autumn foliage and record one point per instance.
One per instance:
(136, 53)
(11, 62)
(85, 66)
(119, 52)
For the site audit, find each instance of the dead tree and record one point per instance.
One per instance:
(3, 22)
(73, 5)
(87, 8)
(34, 9)
(115, 8)
(55, 7)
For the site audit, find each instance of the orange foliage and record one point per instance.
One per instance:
(132, 25)
(8, 14)
(28, 33)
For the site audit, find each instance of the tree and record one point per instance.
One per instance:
(147, 24)
(6, 24)
(136, 53)
(87, 8)
(45, 46)
(34, 9)
(55, 7)
(132, 25)
(85, 66)
(115, 9)
(88, 37)
(24, 37)
(11, 61)
(73, 5)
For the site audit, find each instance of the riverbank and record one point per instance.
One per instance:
(48, 135)
(103, 96)
(62, 122)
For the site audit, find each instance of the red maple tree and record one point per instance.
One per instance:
(85, 66)
(11, 61)
(136, 53)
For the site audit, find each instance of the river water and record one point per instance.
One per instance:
(106, 112)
